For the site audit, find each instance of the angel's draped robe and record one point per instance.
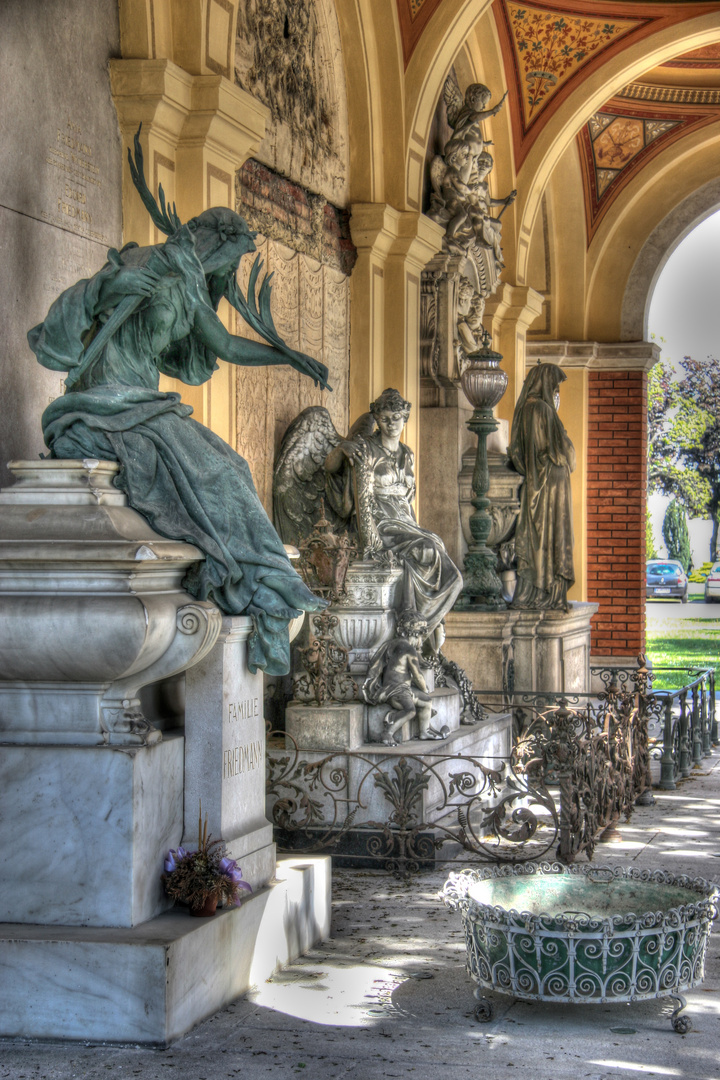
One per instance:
(431, 580)
(184, 480)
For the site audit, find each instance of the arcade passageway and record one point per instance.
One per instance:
(387, 995)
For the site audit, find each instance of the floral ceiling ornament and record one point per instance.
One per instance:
(550, 46)
(620, 139)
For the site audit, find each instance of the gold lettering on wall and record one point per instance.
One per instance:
(72, 156)
(242, 758)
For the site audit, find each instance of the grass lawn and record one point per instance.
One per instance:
(685, 643)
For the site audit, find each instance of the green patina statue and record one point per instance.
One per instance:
(151, 310)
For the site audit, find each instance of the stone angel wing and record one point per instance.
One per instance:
(454, 100)
(438, 171)
(299, 477)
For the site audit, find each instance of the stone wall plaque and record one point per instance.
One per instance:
(60, 184)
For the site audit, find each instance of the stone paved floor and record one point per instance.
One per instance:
(388, 996)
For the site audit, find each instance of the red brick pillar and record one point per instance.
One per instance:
(616, 510)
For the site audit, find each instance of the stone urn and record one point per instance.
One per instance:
(93, 608)
(366, 612)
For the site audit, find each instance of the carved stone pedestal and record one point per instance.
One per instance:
(225, 753)
(481, 642)
(92, 794)
(552, 649)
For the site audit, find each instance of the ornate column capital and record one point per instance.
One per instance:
(519, 304)
(596, 355)
(418, 240)
(374, 228)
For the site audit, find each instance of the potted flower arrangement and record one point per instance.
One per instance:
(203, 878)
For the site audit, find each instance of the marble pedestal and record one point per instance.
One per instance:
(225, 753)
(92, 794)
(85, 831)
(152, 983)
(552, 650)
(481, 642)
(351, 725)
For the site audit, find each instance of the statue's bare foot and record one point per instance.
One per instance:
(390, 740)
(433, 733)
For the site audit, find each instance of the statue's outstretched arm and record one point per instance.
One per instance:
(247, 353)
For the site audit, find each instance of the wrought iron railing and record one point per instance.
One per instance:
(399, 810)
(579, 763)
(682, 722)
(689, 724)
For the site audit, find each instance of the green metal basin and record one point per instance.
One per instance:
(548, 932)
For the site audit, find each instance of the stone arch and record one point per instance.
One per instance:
(621, 266)
(591, 95)
(446, 33)
(655, 252)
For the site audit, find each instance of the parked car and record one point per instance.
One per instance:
(666, 580)
(712, 585)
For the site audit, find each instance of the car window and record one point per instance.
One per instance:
(665, 568)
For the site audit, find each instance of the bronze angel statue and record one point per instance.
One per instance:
(153, 310)
(367, 482)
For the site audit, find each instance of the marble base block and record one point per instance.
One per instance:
(85, 831)
(552, 650)
(152, 983)
(225, 753)
(332, 726)
(446, 704)
(481, 642)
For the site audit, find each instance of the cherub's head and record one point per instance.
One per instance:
(457, 154)
(477, 97)
(484, 163)
(413, 627)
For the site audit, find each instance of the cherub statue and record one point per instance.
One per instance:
(486, 228)
(461, 197)
(368, 483)
(465, 116)
(395, 676)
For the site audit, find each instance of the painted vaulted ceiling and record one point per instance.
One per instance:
(548, 48)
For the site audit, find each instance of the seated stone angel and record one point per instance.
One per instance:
(368, 483)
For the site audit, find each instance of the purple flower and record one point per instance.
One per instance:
(173, 858)
(231, 870)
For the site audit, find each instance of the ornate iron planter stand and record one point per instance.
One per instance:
(546, 932)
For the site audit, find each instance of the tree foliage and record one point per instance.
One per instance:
(684, 436)
(676, 536)
(676, 428)
(650, 548)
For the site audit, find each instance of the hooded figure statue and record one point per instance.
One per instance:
(541, 451)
